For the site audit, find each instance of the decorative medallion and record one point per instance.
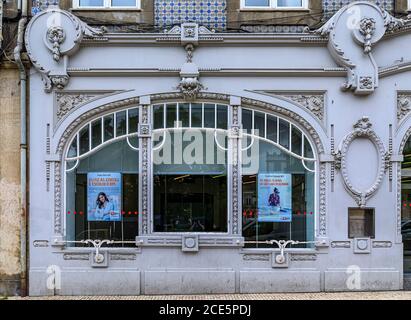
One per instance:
(362, 129)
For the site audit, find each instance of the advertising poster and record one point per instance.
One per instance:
(104, 196)
(274, 197)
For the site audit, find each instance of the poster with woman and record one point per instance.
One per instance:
(274, 197)
(103, 196)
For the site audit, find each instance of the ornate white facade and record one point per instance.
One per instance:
(346, 87)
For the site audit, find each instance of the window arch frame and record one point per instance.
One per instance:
(273, 112)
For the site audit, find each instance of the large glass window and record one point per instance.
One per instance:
(277, 183)
(406, 205)
(102, 180)
(190, 167)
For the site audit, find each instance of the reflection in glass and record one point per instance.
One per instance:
(184, 114)
(108, 127)
(120, 123)
(196, 115)
(171, 115)
(91, 3)
(158, 115)
(209, 116)
(84, 140)
(271, 128)
(222, 116)
(72, 151)
(257, 3)
(190, 182)
(296, 140)
(271, 159)
(115, 157)
(247, 120)
(290, 3)
(123, 3)
(259, 124)
(284, 133)
(132, 120)
(360, 223)
(406, 205)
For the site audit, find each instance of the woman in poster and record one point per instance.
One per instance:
(104, 208)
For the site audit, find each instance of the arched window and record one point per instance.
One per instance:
(190, 157)
(190, 167)
(406, 205)
(102, 179)
(278, 180)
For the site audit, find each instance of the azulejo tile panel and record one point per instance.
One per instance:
(332, 6)
(209, 13)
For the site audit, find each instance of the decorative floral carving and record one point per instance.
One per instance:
(367, 29)
(189, 32)
(76, 256)
(190, 87)
(392, 24)
(145, 149)
(340, 244)
(56, 36)
(362, 129)
(235, 173)
(366, 83)
(122, 256)
(67, 102)
(322, 232)
(40, 243)
(303, 257)
(57, 199)
(256, 257)
(314, 103)
(59, 81)
(403, 105)
(381, 244)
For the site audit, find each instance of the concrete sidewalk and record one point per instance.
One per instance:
(386, 295)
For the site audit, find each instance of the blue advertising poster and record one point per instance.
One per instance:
(103, 196)
(274, 197)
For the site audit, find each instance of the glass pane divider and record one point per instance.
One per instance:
(115, 125)
(202, 115)
(177, 125)
(89, 136)
(127, 122)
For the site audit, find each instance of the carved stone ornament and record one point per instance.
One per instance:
(312, 102)
(190, 84)
(190, 87)
(367, 28)
(70, 101)
(62, 33)
(391, 23)
(403, 106)
(59, 81)
(362, 129)
(56, 36)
